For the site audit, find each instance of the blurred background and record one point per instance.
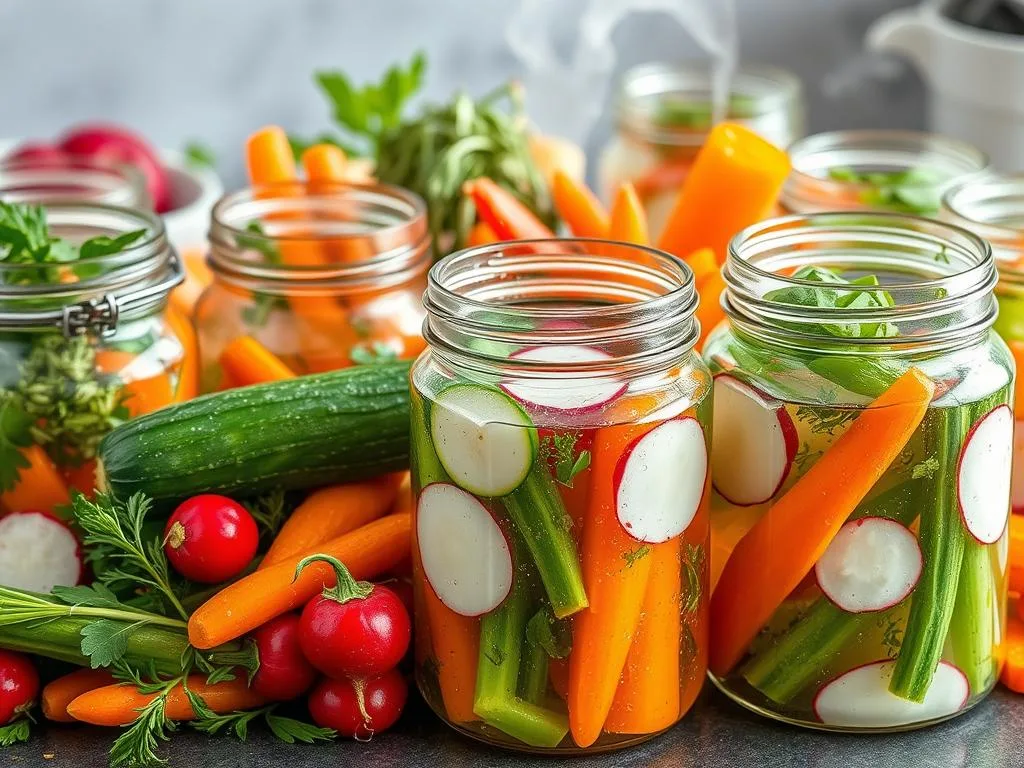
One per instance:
(211, 72)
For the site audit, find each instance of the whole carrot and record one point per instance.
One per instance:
(188, 371)
(58, 694)
(324, 162)
(261, 596)
(578, 207)
(628, 220)
(245, 361)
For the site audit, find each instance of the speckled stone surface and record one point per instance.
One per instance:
(716, 735)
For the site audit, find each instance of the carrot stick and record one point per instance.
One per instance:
(261, 596)
(628, 220)
(40, 486)
(503, 213)
(324, 162)
(782, 547)
(119, 704)
(269, 157)
(733, 183)
(143, 394)
(404, 501)
(58, 694)
(1017, 348)
(615, 575)
(1016, 564)
(481, 234)
(578, 207)
(246, 362)
(647, 699)
(331, 512)
(1012, 651)
(703, 264)
(709, 311)
(188, 371)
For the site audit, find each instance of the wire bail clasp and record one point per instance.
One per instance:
(98, 315)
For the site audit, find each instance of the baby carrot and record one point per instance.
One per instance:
(326, 166)
(261, 596)
(578, 207)
(782, 547)
(144, 392)
(481, 234)
(331, 512)
(188, 370)
(503, 213)
(628, 220)
(246, 361)
(120, 704)
(58, 694)
(703, 264)
(39, 486)
(324, 162)
(269, 157)
(1012, 675)
(709, 312)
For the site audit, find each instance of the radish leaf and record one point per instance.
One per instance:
(15, 733)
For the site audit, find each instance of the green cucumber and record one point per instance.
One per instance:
(426, 467)
(971, 633)
(317, 430)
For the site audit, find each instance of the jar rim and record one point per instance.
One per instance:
(74, 179)
(982, 206)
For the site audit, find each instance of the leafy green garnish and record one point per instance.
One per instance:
(200, 155)
(96, 247)
(915, 190)
(372, 354)
(15, 435)
(137, 745)
(551, 634)
(560, 451)
(824, 420)
(675, 113)
(15, 733)
(639, 553)
(287, 729)
(693, 568)
(269, 511)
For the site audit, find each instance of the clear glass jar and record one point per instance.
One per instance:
(72, 179)
(84, 345)
(877, 170)
(861, 466)
(993, 208)
(560, 426)
(321, 275)
(663, 114)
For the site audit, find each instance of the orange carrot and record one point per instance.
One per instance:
(508, 218)
(647, 699)
(703, 264)
(261, 596)
(58, 694)
(119, 704)
(782, 547)
(269, 157)
(709, 312)
(246, 362)
(733, 183)
(188, 371)
(481, 234)
(324, 162)
(404, 501)
(558, 674)
(81, 478)
(628, 220)
(40, 486)
(1016, 563)
(326, 166)
(664, 177)
(578, 207)
(1012, 652)
(329, 513)
(197, 277)
(1017, 348)
(144, 390)
(615, 575)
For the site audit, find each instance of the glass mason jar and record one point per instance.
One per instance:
(861, 465)
(663, 114)
(72, 179)
(877, 170)
(560, 427)
(322, 275)
(993, 208)
(84, 345)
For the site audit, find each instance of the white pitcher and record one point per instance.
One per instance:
(976, 77)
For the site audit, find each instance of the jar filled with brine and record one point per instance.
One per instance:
(877, 170)
(560, 463)
(310, 278)
(663, 114)
(863, 438)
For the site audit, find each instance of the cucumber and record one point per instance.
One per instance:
(317, 430)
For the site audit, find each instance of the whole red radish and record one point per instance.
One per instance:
(359, 707)
(284, 672)
(353, 628)
(38, 552)
(19, 685)
(36, 153)
(210, 539)
(120, 145)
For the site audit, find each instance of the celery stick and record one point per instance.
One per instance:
(426, 467)
(537, 510)
(971, 632)
(533, 677)
(862, 375)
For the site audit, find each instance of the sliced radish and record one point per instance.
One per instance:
(659, 481)
(983, 475)
(465, 556)
(754, 445)
(870, 565)
(38, 552)
(1017, 484)
(860, 698)
(484, 439)
(575, 395)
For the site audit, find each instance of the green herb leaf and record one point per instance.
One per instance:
(137, 746)
(105, 642)
(560, 451)
(200, 155)
(637, 554)
(269, 511)
(15, 733)
(377, 352)
(926, 468)
(290, 731)
(96, 596)
(915, 190)
(551, 634)
(15, 435)
(693, 569)
(105, 246)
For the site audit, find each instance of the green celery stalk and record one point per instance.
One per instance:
(971, 632)
(862, 375)
(426, 466)
(533, 677)
(539, 515)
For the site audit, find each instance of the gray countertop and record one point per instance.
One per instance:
(717, 734)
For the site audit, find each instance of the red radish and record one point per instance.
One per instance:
(19, 685)
(210, 539)
(353, 628)
(464, 554)
(402, 587)
(120, 145)
(359, 708)
(36, 153)
(1017, 484)
(38, 552)
(872, 564)
(860, 698)
(284, 673)
(983, 475)
(659, 481)
(755, 443)
(564, 394)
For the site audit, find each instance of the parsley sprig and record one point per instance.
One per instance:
(559, 450)
(914, 190)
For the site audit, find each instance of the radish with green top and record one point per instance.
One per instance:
(755, 443)
(564, 394)
(983, 475)
(38, 552)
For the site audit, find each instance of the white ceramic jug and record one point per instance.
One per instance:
(976, 78)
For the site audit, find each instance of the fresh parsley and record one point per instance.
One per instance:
(693, 570)
(200, 155)
(636, 555)
(823, 420)
(914, 190)
(15, 733)
(372, 354)
(269, 511)
(559, 450)
(15, 436)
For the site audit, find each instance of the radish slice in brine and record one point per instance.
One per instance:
(860, 698)
(659, 481)
(754, 443)
(38, 552)
(575, 395)
(465, 556)
(872, 564)
(983, 475)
